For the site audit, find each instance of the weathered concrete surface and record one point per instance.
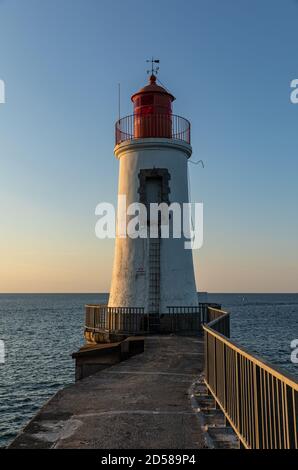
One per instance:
(140, 403)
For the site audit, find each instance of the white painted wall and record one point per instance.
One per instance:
(129, 287)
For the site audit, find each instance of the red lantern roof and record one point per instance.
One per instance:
(152, 88)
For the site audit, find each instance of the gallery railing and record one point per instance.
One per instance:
(138, 126)
(133, 320)
(124, 320)
(259, 402)
(186, 318)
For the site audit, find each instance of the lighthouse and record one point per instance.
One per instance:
(152, 145)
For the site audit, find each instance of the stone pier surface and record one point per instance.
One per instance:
(141, 403)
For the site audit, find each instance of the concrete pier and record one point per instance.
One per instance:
(141, 403)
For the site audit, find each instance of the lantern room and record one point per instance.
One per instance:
(152, 111)
(152, 99)
(152, 116)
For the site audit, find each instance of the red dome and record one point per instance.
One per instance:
(152, 88)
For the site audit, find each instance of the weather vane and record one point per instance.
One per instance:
(154, 69)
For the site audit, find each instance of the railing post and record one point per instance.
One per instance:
(238, 390)
(257, 407)
(292, 418)
(215, 365)
(206, 355)
(224, 376)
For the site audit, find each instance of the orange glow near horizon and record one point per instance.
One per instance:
(59, 269)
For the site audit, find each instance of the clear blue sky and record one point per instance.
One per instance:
(228, 62)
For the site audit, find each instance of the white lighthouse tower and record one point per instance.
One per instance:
(153, 147)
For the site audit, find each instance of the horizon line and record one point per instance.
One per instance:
(107, 293)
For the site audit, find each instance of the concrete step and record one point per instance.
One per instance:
(205, 402)
(222, 437)
(212, 420)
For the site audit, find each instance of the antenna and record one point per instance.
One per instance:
(154, 69)
(119, 110)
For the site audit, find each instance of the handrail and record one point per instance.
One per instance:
(259, 401)
(260, 362)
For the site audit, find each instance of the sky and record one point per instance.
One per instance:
(228, 62)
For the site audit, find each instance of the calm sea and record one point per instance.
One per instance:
(41, 331)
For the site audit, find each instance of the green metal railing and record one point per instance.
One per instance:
(259, 402)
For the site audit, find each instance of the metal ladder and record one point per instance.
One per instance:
(154, 284)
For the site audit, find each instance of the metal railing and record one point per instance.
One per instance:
(183, 318)
(123, 320)
(188, 318)
(138, 126)
(259, 402)
(133, 320)
(207, 310)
